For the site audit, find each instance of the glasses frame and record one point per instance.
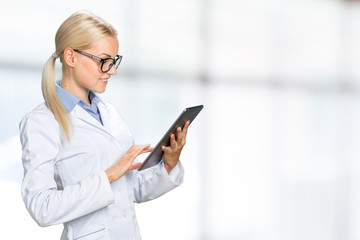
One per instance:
(115, 61)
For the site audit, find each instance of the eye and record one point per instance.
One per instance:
(109, 62)
(107, 65)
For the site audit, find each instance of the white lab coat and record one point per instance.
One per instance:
(66, 183)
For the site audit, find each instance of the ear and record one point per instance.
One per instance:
(69, 56)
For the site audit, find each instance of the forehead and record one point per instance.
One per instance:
(107, 45)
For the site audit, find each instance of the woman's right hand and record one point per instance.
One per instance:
(125, 163)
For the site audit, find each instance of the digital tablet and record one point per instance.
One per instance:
(156, 155)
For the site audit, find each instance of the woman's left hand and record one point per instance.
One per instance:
(172, 152)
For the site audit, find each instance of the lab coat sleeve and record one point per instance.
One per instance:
(47, 204)
(155, 181)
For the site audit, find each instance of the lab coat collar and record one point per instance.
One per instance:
(82, 114)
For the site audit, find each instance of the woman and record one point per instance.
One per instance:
(78, 154)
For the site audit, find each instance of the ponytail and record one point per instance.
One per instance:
(79, 31)
(52, 99)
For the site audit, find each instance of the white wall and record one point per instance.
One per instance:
(274, 153)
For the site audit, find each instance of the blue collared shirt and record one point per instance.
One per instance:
(70, 101)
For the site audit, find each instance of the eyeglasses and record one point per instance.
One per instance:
(106, 63)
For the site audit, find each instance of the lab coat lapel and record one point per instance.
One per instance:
(104, 112)
(81, 113)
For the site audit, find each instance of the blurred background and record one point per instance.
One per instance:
(273, 154)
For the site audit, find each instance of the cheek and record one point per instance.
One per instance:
(87, 76)
(89, 67)
(92, 68)
(90, 72)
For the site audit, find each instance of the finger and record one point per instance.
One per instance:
(146, 150)
(134, 166)
(147, 145)
(186, 127)
(140, 146)
(179, 135)
(182, 134)
(138, 149)
(172, 140)
(143, 147)
(135, 149)
(166, 149)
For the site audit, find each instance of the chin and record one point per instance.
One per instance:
(98, 89)
(101, 90)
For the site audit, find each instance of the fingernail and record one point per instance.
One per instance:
(179, 128)
(173, 135)
(163, 147)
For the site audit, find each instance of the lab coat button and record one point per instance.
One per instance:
(125, 214)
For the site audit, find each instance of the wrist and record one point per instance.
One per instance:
(168, 167)
(109, 175)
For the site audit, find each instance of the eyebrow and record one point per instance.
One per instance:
(105, 55)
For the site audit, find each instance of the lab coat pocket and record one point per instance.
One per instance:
(78, 160)
(76, 168)
(100, 234)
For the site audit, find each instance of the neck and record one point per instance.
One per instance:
(75, 89)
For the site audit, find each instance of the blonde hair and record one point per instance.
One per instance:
(79, 31)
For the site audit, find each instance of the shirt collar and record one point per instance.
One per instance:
(70, 101)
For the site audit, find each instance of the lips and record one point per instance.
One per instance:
(104, 80)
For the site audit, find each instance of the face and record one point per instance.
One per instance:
(86, 72)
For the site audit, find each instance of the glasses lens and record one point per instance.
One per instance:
(106, 66)
(118, 61)
(108, 63)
